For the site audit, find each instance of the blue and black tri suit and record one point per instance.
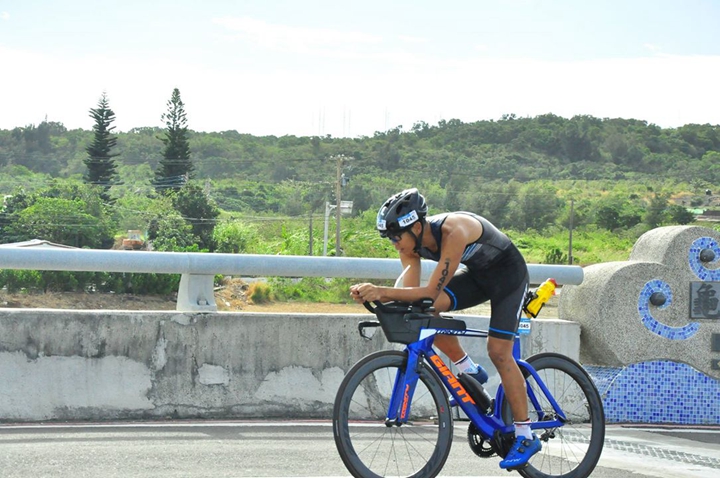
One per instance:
(495, 271)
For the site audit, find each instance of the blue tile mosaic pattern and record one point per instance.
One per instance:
(697, 266)
(657, 392)
(652, 324)
(663, 391)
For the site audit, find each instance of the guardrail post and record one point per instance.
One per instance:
(195, 293)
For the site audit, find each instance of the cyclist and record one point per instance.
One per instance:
(494, 270)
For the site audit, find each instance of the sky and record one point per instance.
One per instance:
(353, 68)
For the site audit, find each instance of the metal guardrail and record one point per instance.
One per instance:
(198, 269)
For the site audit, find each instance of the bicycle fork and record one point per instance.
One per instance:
(403, 391)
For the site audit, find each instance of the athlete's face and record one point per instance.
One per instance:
(403, 241)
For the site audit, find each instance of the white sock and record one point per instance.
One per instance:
(466, 365)
(522, 429)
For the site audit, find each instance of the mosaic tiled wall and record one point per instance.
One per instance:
(651, 328)
(657, 392)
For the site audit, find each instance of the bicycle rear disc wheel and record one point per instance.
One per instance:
(366, 445)
(573, 450)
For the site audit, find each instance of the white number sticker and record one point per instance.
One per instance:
(408, 219)
(524, 327)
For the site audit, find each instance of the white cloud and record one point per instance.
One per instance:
(288, 38)
(4, 16)
(665, 90)
(412, 39)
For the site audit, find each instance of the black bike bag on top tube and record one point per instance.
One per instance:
(405, 328)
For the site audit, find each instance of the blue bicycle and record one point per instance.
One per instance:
(392, 413)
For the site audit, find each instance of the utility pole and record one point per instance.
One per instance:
(338, 212)
(310, 232)
(572, 217)
(340, 206)
(328, 208)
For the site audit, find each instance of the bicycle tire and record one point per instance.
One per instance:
(366, 445)
(573, 450)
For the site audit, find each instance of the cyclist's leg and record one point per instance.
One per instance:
(506, 309)
(505, 316)
(461, 292)
(526, 443)
(507, 294)
(448, 344)
(500, 353)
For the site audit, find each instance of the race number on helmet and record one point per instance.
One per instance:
(400, 212)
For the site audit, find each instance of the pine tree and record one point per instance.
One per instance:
(176, 168)
(101, 167)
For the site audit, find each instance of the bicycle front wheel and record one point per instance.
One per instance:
(369, 447)
(573, 450)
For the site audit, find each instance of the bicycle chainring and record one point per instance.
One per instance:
(480, 446)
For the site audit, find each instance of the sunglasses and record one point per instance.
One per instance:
(395, 238)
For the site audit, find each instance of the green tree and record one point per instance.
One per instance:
(492, 201)
(607, 216)
(680, 215)
(198, 210)
(166, 229)
(175, 168)
(656, 210)
(172, 233)
(236, 237)
(64, 221)
(12, 205)
(535, 207)
(101, 167)
(65, 211)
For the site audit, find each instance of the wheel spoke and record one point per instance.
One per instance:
(574, 448)
(369, 447)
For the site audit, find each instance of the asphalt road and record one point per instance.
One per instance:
(299, 449)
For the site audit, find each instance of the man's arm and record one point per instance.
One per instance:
(457, 233)
(412, 276)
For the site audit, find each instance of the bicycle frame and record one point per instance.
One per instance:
(406, 381)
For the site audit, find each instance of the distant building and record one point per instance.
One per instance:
(37, 243)
(709, 216)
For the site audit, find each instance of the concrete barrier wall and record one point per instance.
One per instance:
(650, 330)
(109, 365)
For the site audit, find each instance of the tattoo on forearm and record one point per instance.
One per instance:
(443, 278)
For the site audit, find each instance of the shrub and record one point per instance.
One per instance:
(260, 293)
(16, 280)
(556, 256)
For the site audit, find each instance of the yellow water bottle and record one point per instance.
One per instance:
(540, 297)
